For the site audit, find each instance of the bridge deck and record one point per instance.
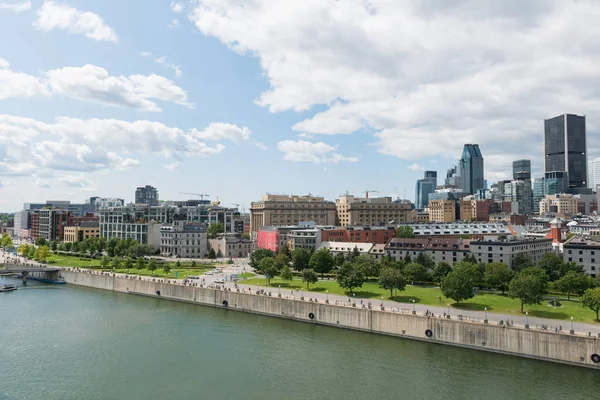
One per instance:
(17, 268)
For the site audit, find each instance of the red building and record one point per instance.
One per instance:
(76, 221)
(363, 234)
(268, 239)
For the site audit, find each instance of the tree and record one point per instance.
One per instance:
(167, 268)
(415, 272)
(339, 259)
(115, 263)
(440, 271)
(245, 236)
(282, 260)
(104, 261)
(405, 232)
(40, 241)
(258, 255)
(215, 229)
(194, 265)
(152, 265)
(425, 261)
(528, 288)
(470, 258)
(458, 284)
(300, 258)
(349, 276)
(53, 245)
(591, 300)
(391, 279)
(538, 273)
(41, 253)
(498, 275)
(6, 241)
(321, 261)
(369, 266)
(553, 265)
(268, 266)
(211, 254)
(309, 276)
(521, 262)
(140, 263)
(573, 283)
(407, 258)
(111, 246)
(75, 247)
(355, 253)
(286, 274)
(128, 263)
(219, 254)
(69, 246)
(285, 249)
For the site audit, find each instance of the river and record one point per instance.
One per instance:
(65, 342)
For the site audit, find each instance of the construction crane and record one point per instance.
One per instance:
(370, 191)
(196, 194)
(236, 205)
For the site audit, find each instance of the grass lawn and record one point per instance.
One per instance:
(60, 260)
(247, 275)
(182, 273)
(495, 303)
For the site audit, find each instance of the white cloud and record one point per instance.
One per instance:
(174, 23)
(76, 181)
(422, 77)
(85, 145)
(163, 61)
(415, 167)
(52, 15)
(42, 184)
(93, 84)
(174, 166)
(176, 7)
(16, 7)
(319, 152)
(223, 131)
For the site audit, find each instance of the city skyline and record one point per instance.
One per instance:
(101, 109)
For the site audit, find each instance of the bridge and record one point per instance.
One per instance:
(20, 269)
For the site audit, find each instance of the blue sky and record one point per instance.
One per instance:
(235, 99)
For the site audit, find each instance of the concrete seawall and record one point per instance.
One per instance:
(549, 346)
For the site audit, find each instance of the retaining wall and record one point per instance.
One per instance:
(549, 346)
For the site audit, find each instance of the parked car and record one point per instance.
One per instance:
(221, 280)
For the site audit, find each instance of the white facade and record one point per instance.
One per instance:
(506, 251)
(583, 251)
(346, 247)
(183, 240)
(594, 173)
(107, 202)
(433, 229)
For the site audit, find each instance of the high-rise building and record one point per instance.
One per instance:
(594, 173)
(538, 194)
(470, 169)
(282, 210)
(522, 169)
(565, 148)
(519, 194)
(556, 182)
(424, 187)
(453, 178)
(146, 195)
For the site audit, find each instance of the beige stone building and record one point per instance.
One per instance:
(74, 234)
(442, 210)
(376, 211)
(231, 245)
(282, 210)
(559, 205)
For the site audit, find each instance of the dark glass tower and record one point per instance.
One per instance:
(565, 148)
(146, 195)
(471, 169)
(522, 169)
(424, 187)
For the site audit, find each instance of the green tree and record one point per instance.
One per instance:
(40, 241)
(268, 267)
(300, 258)
(538, 273)
(128, 263)
(215, 229)
(355, 253)
(194, 265)
(285, 249)
(69, 246)
(140, 263)
(458, 284)
(167, 268)
(178, 264)
(75, 247)
(529, 288)
(498, 276)
(349, 277)
(522, 261)
(41, 254)
(407, 258)
(282, 260)
(111, 246)
(470, 258)
(553, 265)
(53, 245)
(286, 274)
(405, 232)
(440, 271)
(309, 276)
(591, 300)
(369, 266)
(245, 236)
(391, 279)
(152, 265)
(415, 272)
(425, 261)
(211, 254)
(573, 283)
(257, 255)
(6, 241)
(104, 261)
(339, 259)
(115, 263)
(321, 261)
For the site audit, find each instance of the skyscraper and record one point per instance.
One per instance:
(470, 169)
(146, 195)
(565, 148)
(522, 169)
(594, 173)
(424, 187)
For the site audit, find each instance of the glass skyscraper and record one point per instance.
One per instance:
(565, 148)
(424, 188)
(522, 169)
(470, 169)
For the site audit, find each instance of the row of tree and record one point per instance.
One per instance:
(139, 263)
(31, 252)
(113, 247)
(6, 241)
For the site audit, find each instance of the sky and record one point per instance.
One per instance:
(235, 99)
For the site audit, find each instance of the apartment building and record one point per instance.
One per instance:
(442, 210)
(475, 210)
(505, 251)
(583, 251)
(378, 211)
(78, 233)
(183, 239)
(286, 210)
(450, 250)
(559, 205)
(231, 246)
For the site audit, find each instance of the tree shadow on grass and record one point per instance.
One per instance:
(318, 289)
(286, 285)
(472, 306)
(405, 299)
(548, 314)
(366, 294)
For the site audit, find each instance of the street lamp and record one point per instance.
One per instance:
(327, 296)
(448, 310)
(485, 320)
(526, 320)
(381, 301)
(279, 290)
(572, 329)
(414, 307)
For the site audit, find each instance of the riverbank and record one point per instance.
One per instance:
(573, 349)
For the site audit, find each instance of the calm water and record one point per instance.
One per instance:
(73, 343)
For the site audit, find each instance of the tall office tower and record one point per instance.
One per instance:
(453, 177)
(594, 173)
(556, 182)
(565, 148)
(539, 191)
(424, 187)
(471, 169)
(146, 195)
(522, 169)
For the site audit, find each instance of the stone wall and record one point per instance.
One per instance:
(549, 346)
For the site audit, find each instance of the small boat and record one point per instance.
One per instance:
(7, 288)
